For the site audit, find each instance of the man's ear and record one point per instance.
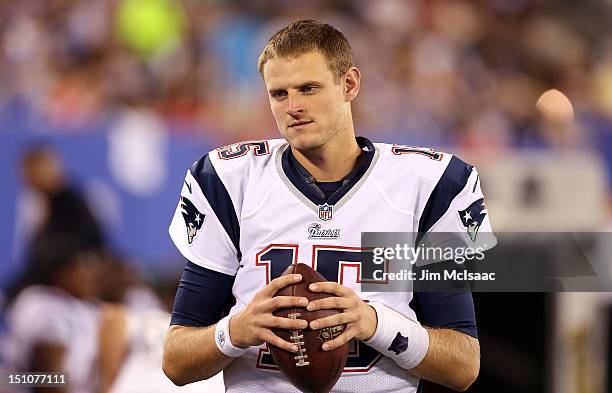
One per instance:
(352, 82)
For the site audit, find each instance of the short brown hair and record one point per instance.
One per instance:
(307, 35)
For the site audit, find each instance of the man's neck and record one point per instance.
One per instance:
(330, 163)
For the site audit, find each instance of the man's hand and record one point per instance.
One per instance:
(254, 324)
(360, 319)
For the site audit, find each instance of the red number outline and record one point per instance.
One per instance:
(340, 279)
(251, 145)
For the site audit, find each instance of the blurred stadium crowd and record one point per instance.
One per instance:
(462, 75)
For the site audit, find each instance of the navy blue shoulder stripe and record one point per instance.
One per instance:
(217, 196)
(451, 183)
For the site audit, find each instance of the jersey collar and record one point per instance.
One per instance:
(299, 180)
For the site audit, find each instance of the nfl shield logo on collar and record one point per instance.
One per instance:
(326, 212)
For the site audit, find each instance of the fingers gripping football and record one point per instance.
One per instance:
(254, 324)
(359, 318)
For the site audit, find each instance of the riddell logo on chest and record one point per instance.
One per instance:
(316, 232)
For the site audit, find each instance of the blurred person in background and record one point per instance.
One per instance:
(58, 207)
(50, 205)
(79, 309)
(132, 329)
(122, 283)
(52, 323)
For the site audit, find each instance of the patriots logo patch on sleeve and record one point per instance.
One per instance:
(473, 216)
(193, 218)
(399, 344)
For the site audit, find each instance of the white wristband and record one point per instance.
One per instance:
(223, 341)
(398, 337)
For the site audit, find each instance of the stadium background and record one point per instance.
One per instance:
(129, 93)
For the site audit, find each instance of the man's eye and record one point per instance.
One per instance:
(309, 89)
(278, 94)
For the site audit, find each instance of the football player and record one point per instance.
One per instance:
(52, 323)
(249, 210)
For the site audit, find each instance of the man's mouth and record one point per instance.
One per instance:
(299, 123)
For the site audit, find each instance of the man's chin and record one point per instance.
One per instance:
(304, 144)
(307, 140)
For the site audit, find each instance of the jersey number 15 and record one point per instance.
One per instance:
(329, 261)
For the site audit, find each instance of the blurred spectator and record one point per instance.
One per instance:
(56, 206)
(52, 324)
(87, 313)
(121, 283)
(132, 329)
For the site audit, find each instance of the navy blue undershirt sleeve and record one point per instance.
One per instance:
(449, 310)
(203, 296)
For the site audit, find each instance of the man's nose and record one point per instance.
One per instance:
(294, 105)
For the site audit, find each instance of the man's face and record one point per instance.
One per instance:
(309, 107)
(81, 276)
(45, 172)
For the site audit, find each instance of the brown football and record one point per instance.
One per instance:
(311, 369)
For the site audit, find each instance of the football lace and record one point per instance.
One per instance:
(297, 338)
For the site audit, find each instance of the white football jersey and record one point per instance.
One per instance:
(141, 370)
(44, 314)
(242, 213)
